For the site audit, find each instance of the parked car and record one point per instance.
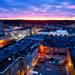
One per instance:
(62, 62)
(57, 61)
(52, 60)
(41, 60)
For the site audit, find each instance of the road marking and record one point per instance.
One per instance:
(34, 72)
(48, 69)
(40, 74)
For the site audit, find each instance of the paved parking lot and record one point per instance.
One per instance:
(49, 69)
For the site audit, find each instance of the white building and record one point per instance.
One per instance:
(55, 33)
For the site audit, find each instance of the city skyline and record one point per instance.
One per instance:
(37, 9)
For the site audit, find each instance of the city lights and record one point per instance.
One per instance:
(37, 37)
(9, 59)
(70, 64)
(32, 51)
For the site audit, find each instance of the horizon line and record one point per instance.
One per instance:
(40, 18)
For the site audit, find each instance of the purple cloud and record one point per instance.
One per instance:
(36, 8)
(71, 6)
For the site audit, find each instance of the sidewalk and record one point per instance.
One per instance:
(31, 69)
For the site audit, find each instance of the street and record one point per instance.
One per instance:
(50, 69)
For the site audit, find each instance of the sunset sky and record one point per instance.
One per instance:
(25, 9)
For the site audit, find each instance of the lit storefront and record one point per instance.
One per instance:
(45, 51)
